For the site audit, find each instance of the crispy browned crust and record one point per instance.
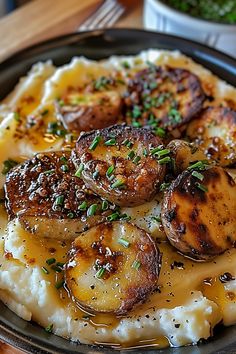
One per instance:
(141, 180)
(201, 224)
(86, 117)
(220, 147)
(32, 189)
(176, 88)
(138, 289)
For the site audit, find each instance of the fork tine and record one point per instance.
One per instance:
(108, 19)
(92, 21)
(114, 19)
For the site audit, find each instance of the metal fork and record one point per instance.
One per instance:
(106, 15)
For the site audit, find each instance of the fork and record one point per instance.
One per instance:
(106, 15)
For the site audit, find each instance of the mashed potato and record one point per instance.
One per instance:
(191, 299)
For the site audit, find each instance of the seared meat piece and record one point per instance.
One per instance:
(199, 212)
(112, 267)
(214, 131)
(88, 111)
(119, 163)
(163, 97)
(49, 199)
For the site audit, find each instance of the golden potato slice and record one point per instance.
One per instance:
(215, 132)
(119, 164)
(199, 213)
(49, 199)
(163, 97)
(112, 267)
(184, 154)
(85, 112)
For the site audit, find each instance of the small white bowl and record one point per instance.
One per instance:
(161, 17)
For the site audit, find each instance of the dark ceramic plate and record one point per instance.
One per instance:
(96, 45)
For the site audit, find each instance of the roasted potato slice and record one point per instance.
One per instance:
(215, 132)
(199, 213)
(184, 153)
(85, 112)
(163, 96)
(49, 199)
(112, 267)
(118, 164)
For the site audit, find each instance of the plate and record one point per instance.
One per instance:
(97, 45)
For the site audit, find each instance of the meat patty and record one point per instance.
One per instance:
(123, 164)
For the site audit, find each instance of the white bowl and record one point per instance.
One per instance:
(161, 17)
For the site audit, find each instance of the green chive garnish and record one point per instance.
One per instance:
(60, 200)
(131, 155)
(104, 205)
(136, 265)
(56, 268)
(160, 132)
(48, 172)
(156, 218)
(71, 215)
(136, 112)
(118, 184)
(125, 65)
(162, 153)
(198, 175)
(45, 112)
(64, 168)
(136, 160)
(202, 187)
(165, 160)
(157, 149)
(59, 284)
(82, 206)
(49, 328)
(200, 165)
(110, 170)
(63, 159)
(95, 174)
(113, 217)
(95, 143)
(16, 116)
(60, 264)
(50, 261)
(145, 152)
(136, 124)
(123, 242)
(45, 270)
(124, 217)
(110, 142)
(164, 186)
(127, 143)
(80, 170)
(100, 273)
(92, 210)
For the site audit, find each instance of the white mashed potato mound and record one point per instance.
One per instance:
(31, 294)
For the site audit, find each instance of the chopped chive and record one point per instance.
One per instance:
(127, 143)
(63, 159)
(49, 328)
(95, 174)
(198, 175)
(136, 124)
(124, 217)
(95, 143)
(160, 132)
(61, 103)
(45, 112)
(45, 271)
(136, 160)
(125, 65)
(156, 149)
(201, 187)
(65, 168)
(59, 200)
(68, 138)
(60, 264)
(100, 273)
(131, 155)
(82, 206)
(165, 160)
(156, 218)
(113, 217)
(118, 184)
(92, 210)
(8, 165)
(104, 205)
(59, 284)
(110, 142)
(79, 171)
(145, 152)
(71, 215)
(61, 132)
(50, 261)
(49, 172)
(162, 153)
(175, 116)
(123, 242)
(200, 165)
(16, 116)
(110, 170)
(136, 112)
(56, 268)
(136, 265)
(164, 186)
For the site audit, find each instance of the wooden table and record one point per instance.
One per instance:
(43, 19)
